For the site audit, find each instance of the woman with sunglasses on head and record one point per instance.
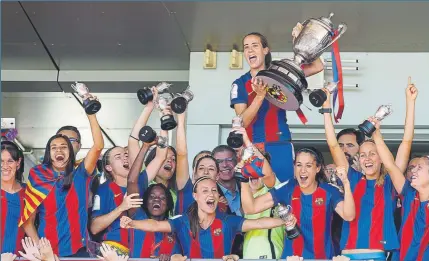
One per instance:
(59, 192)
(265, 123)
(202, 232)
(12, 197)
(111, 200)
(313, 202)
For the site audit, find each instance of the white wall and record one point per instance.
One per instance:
(382, 79)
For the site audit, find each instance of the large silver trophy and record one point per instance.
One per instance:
(285, 213)
(285, 78)
(368, 127)
(91, 106)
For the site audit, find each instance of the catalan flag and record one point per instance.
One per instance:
(40, 182)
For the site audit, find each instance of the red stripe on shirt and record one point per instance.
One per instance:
(357, 195)
(319, 223)
(118, 198)
(217, 238)
(271, 124)
(297, 243)
(377, 219)
(72, 207)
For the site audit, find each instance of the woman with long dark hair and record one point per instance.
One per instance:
(12, 197)
(312, 200)
(60, 194)
(266, 124)
(201, 232)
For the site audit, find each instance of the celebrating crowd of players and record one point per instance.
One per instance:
(152, 205)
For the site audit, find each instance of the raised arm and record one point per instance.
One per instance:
(336, 151)
(148, 225)
(313, 68)
(161, 154)
(254, 205)
(133, 174)
(261, 223)
(386, 157)
(182, 166)
(346, 208)
(404, 149)
(133, 141)
(95, 151)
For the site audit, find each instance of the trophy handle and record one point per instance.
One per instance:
(342, 28)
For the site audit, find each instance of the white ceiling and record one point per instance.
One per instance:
(160, 35)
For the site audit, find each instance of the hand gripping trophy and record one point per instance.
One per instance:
(90, 103)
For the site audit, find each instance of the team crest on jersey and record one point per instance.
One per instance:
(234, 91)
(217, 232)
(319, 201)
(275, 92)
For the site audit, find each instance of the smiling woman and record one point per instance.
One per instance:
(202, 232)
(12, 196)
(266, 125)
(58, 192)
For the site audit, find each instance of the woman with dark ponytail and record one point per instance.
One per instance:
(312, 200)
(12, 197)
(201, 232)
(59, 193)
(266, 124)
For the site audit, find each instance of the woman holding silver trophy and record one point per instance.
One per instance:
(266, 124)
(373, 232)
(311, 199)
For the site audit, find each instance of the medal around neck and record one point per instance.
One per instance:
(285, 78)
(90, 106)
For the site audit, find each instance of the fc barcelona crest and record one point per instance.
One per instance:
(217, 232)
(319, 201)
(276, 93)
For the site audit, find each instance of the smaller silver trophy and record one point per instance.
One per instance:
(318, 97)
(91, 106)
(368, 127)
(247, 154)
(285, 213)
(235, 140)
(145, 95)
(180, 103)
(333, 179)
(167, 119)
(148, 135)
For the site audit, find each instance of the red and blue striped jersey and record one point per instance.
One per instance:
(109, 196)
(64, 213)
(12, 206)
(374, 225)
(214, 242)
(270, 123)
(414, 233)
(184, 198)
(314, 215)
(151, 244)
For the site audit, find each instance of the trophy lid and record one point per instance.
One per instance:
(327, 20)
